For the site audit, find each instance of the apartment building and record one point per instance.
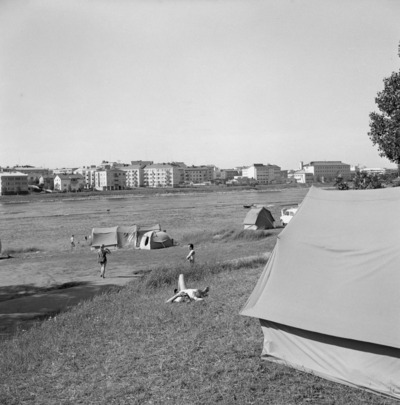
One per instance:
(228, 174)
(162, 175)
(88, 172)
(13, 183)
(264, 174)
(134, 175)
(327, 170)
(198, 174)
(110, 179)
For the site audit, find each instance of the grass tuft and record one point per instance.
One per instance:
(162, 276)
(225, 235)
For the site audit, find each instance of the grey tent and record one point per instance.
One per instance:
(259, 218)
(114, 237)
(328, 299)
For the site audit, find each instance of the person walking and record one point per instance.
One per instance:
(72, 242)
(103, 252)
(191, 254)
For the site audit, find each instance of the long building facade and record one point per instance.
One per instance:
(327, 170)
(13, 183)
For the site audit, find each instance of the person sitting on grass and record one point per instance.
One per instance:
(103, 252)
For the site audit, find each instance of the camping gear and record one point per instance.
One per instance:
(113, 237)
(258, 218)
(328, 299)
(155, 240)
(142, 229)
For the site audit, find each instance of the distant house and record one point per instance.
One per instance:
(301, 176)
(13, 183)
(69, 182)
(46, 182)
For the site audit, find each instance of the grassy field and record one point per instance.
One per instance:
(128, 346)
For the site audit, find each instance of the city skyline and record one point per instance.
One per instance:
(221, 82)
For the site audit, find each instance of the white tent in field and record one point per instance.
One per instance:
(329, 297)
(142, 229)
(114, 237)
(156, 240)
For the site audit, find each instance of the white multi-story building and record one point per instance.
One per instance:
(264, 174)
(88, 172)
(110, 179)
(13, 183)
(327, 170)
(162, 175)
(134, 175)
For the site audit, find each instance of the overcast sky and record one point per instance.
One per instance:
(224, 82)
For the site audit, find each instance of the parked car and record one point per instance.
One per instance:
(287, 214)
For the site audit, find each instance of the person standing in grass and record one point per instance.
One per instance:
(103, 252)
(191, 254)
(72, 242)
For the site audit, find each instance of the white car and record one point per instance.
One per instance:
(287, 214)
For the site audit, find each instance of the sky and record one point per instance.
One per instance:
(224, 82)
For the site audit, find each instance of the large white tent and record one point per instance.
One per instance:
(113, 237)
(329, 297)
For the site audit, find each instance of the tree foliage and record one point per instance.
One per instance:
(363, 181)
(385, 126)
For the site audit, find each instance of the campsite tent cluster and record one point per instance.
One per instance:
(141, 237)
(328, 299)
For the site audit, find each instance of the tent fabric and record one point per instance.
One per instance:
(126, 235)
(362, 365)
(155, 240)
(258, 218)
(335, 271)
(114, 237)
(106, 236)
(142, 229)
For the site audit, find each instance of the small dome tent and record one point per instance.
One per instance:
(155, 240)
(259, 218)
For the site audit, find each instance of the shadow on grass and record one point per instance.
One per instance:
(22, 312)
(10, 292)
